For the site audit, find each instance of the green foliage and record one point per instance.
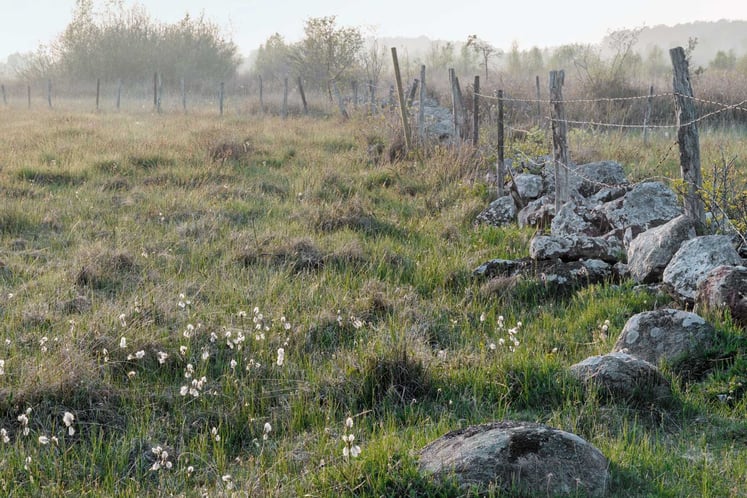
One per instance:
(127, 44)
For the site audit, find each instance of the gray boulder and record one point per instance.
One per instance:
(529, 186)
(647, 205)
(501, 211)
(538, 213)
(725, 288)
(694, 259)
(593, 177)
(576, 218)
(650, 252)
(573, 248)
(675, 336)
(623, 377)
(533, 458)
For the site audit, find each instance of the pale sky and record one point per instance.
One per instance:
(25, 24)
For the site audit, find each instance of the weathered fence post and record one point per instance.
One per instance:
(559, 139)
(421, 106)
(284, 110)
(119, 93)
(401, 96)
(160, 93)
(220, 97)
(49, 92)
(687, 138)
(261, 97)
(476, 111)
(500, 172)
(5, 98)
(28, 92)
(457, 106)
(354, 85)
(303, 96)
(412, 92)
(539, 106)
(647, 116)
(372, 90)
(98, 93)
(155, 91)
(183, 87)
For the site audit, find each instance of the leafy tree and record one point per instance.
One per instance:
(327, 52)
(724, 61)
(274, 59)
(484, 49)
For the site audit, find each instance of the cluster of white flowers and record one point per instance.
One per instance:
(162, 459)
(267, 431)
(2, 367)
(281, 357)
(350, 449)
(214, 434)
(4, 436)
(603, 329)
(68, 418)
(23, 419)
(139, 355)
(195, 388)
(183, 301)
(513, 341)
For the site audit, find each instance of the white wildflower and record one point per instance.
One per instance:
(281, 357)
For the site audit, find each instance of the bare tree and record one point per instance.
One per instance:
(485, 49)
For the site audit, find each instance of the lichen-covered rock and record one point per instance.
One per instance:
(675, 336)
(725, 288)
(501, 211)
(529, 186)
(538, 213)
(623, 377)
(651, 251)
(533, 458)
(596, 176)
(694, 259)
(572, 248)
(647, 205)
(576, 218)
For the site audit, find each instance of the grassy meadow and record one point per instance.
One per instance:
(193, 305)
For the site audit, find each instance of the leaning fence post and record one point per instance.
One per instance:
(559, 139)
(476, 111)
(49, 92)
(155, 91)
(28, 92)
(303, 96)
(687, 138)
(119, 93)
(421, 106)
(500, 173)
(98, 92)
(647, 116)
(401, 96)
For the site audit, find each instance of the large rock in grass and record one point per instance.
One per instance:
(694, 259)
(725, 288)
(534, 459)
(623, 377)
(650, 252)
(501, 211)
(674, 336)
(529, 186)
(647, 205)
(576, 218)
(538, 213)
(593, 177)
(573, 248)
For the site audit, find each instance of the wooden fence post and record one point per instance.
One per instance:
(5, 98)
(354, 85)
(457, 106)
(476, 111)
(559, 139)
(220, 97)
(98, 93)
(372, 90)
(155, 91)
(160, 92)
(183, 85)
(119, 93)
(49, 92)
(421, 106)
(261, 97)
(647, 116)
(284, 110)
(303, 96)
(687, 138)
(401, 96)
(500, 172)
(28, 92)
(412, 92)
(539, 107)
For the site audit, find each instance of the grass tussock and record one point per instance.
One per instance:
(212, 309)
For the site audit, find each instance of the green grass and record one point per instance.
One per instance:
(129, 226)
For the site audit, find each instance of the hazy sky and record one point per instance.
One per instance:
(25, 24)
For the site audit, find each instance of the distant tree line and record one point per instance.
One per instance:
(125, 43)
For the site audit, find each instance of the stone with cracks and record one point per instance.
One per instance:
(725, 288)
(501, 211)
(675, 336)
(597, 176)
(529, 186)
(694, 259)
(535, 459)
(573, 248)
(623, 377)
(538, 213)
(647, 205)
(576, 218)
(650, 252)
